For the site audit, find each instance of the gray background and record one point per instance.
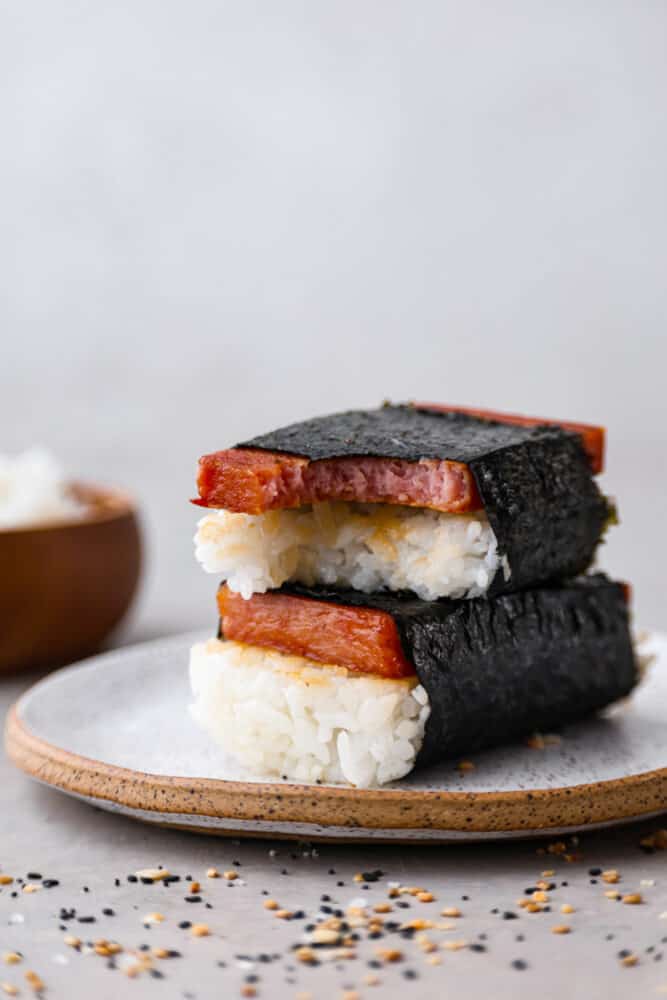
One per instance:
(217, 217)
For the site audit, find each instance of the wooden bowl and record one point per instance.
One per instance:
(64, 586)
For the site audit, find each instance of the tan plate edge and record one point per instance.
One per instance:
(374, 809)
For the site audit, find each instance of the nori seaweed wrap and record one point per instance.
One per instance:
(496, 669)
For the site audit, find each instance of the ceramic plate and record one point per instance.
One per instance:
(115, 731)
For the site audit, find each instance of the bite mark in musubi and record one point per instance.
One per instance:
(526, 487)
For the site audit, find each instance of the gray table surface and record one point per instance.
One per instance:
(86, 850)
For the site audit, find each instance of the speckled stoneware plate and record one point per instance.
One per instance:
(115, 731)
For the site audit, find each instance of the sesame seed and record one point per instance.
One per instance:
(389, 954)
(34, 981)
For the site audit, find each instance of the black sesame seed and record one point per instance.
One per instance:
(409, 974)
(86, 920)
(519, 964)
(595, 871)
(108, 912)
(477, 947)
(508, 915)
(192, 899)
(34, 876)
(373, 876)
(184, 924)
(50, 883)
(132, 878)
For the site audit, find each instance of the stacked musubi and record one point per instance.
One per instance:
(404, 585)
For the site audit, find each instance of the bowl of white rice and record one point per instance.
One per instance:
(70, 557)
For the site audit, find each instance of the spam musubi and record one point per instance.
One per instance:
(402, 586)
(444, 503)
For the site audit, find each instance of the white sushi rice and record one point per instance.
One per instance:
(364, 546)
(34, 490)
(283, 715)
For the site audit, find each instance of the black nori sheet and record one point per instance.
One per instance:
(535, 482)
(398, 432)
(501, 668)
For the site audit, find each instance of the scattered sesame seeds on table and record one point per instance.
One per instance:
(95, 905)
